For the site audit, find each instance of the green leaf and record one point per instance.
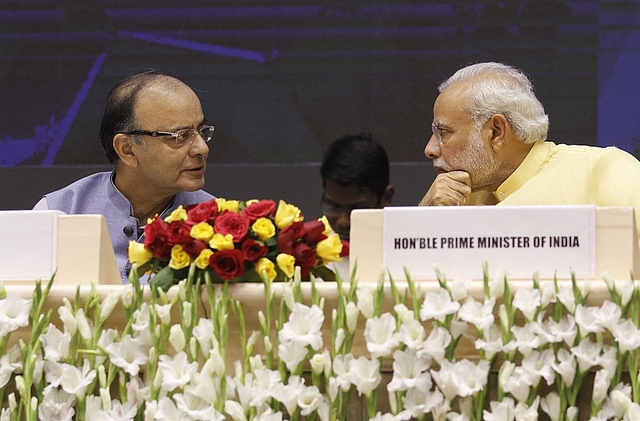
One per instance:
(163, 279)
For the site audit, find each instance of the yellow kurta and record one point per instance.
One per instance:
(570, 175)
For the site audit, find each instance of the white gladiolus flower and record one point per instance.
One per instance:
(383, 417)
(163, 312)
(168, 411)
(496, 285)
(527, 413)
(626, 335)
(412, 333)
(234, 410)
(197, 408)
(608, 358)
(550, 404)
(309, 400)
(56, 405)
(462, 378)
(409, 371)
(608, 314)
(352, 312)
(418, 403)
(75, 380)
(566, 365)
(539, 364)
(292, 353)
(478, 314)
(567, 298)
(436, 344)
(380, 334)
(601, 383)
(176, 371)
(620, 402)
(265, 382)
(14, 313)
(304, 326)
(120, 411)
(438, 305)
(547, 293)
(459, 287)
(565, 330)
(587, 320)
(141, 318)
(321, 362)
(365, 374)
(203, 332)
(68, 319)
(128, 354)
(454, 416)
(109, 304)
(364, 298)
(176, 337)
(10, 362)
(515, 380)
(586, 353)
(528, 302)
(492, 342)
(55, 343)
(269, 415)
(287, 295)
(288, 393)
(83, 325)
(500, 411)
(525, 338)
(404, 314)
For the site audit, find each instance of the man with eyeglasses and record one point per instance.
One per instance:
(154, 132)
(488, 146)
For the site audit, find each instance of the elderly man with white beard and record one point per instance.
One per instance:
(488, 146)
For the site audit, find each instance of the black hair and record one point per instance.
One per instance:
(119, 113)
(357, 159)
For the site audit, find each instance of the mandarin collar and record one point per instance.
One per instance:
(529, 166)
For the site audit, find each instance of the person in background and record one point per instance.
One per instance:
(488, 147)
(355, 175)
(155, 134)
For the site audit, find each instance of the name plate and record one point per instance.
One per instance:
(27, 245)
(519, 239)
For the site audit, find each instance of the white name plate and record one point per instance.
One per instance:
(28, 245)
(520, 239)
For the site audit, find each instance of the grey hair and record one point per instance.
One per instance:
(497, 88)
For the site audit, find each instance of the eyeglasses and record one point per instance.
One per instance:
(437, 128)
(182, 137)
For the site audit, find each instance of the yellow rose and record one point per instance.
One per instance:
(265, 265)
(327, 226)
(251, 201)
(179, 258)
(202, 231)
(264, 228)
(221, 242)
(330, 248)
(202, 261)
(287, 214)
(230, 205)
(138, 254)
(286, 263)
(178, 214)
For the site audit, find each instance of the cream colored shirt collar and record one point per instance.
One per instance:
(532, 162)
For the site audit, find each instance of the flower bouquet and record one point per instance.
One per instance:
(236, 241)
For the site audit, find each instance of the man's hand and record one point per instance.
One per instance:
(448, 189)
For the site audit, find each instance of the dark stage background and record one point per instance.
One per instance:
(281, 79)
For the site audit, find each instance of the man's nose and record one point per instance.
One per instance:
(432, 150)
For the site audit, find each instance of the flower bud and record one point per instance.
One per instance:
(187, 318)
(176, 338)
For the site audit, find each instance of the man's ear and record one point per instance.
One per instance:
(123, 145)
(387, 196)
(499, 127)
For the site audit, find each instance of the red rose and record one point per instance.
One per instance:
(227, 264)
(289, 235)
(202, 212)
(179, 233)
(345, 248)
(232, 223)
(261, 209)
(305, 255)
(252, 250)
(194, 247)
(156, 238)
(314, 232)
